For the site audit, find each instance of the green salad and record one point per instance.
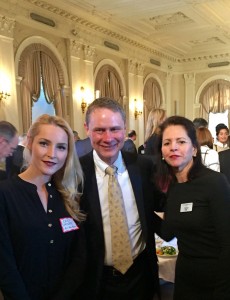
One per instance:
(168, 250)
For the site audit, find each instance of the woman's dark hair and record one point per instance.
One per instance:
(164, 173)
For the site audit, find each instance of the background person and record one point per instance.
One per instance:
(14, 162)
(129, 145)
(83, 147)
(8, 143)
(210, 157)
(42, 249)
(222, 138)
(155, 118)
(105, 125)
(200, 122)
(197, 213)
(224, 158)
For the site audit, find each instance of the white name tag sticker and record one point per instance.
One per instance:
(186, 207)
(68, 224)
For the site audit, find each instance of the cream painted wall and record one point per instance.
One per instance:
(80, 56)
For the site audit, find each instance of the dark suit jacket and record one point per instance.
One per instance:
(140, 171)
(129, 146)
(83, 147)
(14, 163)
(224, 158)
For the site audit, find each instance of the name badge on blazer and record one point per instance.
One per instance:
(186, 207)
(68, 224)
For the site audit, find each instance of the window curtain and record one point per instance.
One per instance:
(109, 83)
(215, 98)
(50, 80)
(38, 62)
(30, 87)
(152, 96)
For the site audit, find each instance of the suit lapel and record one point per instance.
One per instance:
(91, 191)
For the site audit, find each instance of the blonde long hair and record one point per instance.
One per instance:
(68, 179)
(155, 118)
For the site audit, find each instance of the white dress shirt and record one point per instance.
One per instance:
(134, 226)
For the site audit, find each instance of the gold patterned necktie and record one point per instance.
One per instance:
(121, 248)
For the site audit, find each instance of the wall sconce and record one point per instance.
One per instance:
(3, 95)
(83, 103)
(136, 111)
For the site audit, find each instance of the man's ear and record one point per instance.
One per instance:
(86, 129)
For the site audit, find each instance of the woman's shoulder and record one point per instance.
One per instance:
(210, 176)
(15, 184)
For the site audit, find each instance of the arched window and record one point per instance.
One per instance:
(215, 100)
(109, 84)
(152, 96)
(39, 65)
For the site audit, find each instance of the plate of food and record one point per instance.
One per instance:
(166, 251)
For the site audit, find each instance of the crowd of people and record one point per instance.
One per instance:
(77, 217)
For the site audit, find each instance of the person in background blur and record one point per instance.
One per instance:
(76, 136)
(200, 122)
(8, 139)
(42, 241)
(222, 138)
(83, 147)
(197, 213)
(210, 157)
(14, 162)
(155, 118)
(8, 143)
(129, 145)
(224, 158)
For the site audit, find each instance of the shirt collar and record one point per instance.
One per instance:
(101, 165)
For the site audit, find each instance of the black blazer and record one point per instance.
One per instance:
(224, 158)
(129, 146)
(140, 173)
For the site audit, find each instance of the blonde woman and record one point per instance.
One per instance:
(42, 249)
(155, 118)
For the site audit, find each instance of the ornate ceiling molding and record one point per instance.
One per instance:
(6, 26)
(92, 26)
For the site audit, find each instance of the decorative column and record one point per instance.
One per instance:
(140, 105)
(169, 104)
(8, 106)
(76, 52)
(189, 95)
(132, 65)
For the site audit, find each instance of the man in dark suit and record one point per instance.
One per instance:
(14, 162)
(105, 125)
(129, 145)
(224, 159)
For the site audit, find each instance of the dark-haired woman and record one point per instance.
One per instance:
(222, 138)
(197, 212)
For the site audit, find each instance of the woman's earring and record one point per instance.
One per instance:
(163, 158)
